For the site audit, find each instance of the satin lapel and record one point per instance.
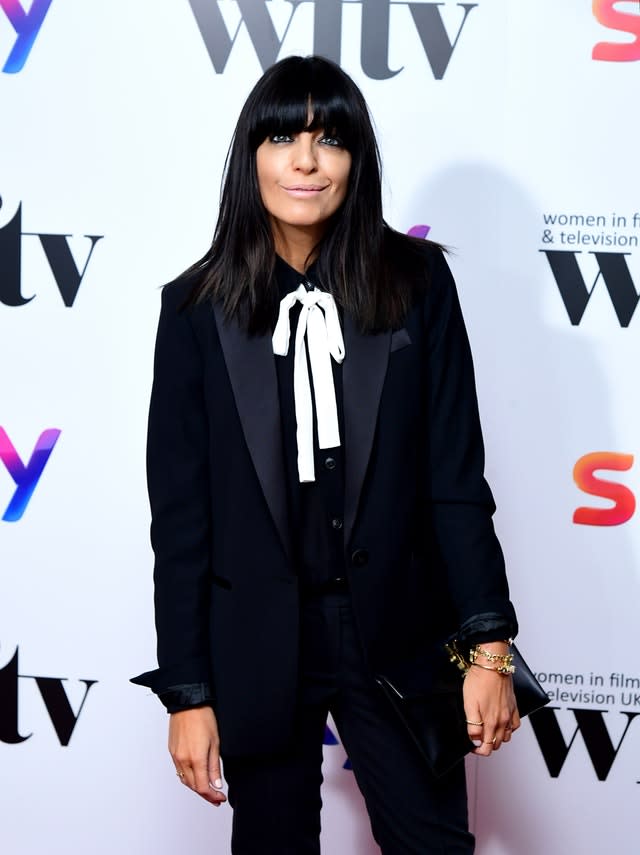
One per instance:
(365, 367)
(252, 372)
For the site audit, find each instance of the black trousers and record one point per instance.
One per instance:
(276, 799)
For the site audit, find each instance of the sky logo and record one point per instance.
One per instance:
(626, 22)
(623, 499)
(25, 477)
(27, 26)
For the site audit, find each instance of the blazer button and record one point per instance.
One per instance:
(360, 557)
(330, 463)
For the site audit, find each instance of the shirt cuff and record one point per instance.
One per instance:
(186, 696)
(486, 627)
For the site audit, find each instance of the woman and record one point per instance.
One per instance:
(315, 468)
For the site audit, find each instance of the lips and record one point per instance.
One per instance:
(305, 188)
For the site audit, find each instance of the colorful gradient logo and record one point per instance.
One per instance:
(27, 26)
(625, 22)
(624, 502)
(25, 477)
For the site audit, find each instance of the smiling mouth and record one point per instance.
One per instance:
(305, 188)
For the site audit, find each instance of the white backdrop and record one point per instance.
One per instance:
(114, 124)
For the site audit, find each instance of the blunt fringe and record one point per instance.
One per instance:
(370, 269)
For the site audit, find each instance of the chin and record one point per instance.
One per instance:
(304, 222)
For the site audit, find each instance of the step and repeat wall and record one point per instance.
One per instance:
(509, 127)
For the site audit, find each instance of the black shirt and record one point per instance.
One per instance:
(316, 509)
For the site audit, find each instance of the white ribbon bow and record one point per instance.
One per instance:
(320, 322)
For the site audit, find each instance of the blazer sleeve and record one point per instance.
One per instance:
(179, 494)
(459, 499)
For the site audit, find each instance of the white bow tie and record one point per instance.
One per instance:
(320, 322)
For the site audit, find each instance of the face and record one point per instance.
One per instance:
(302, 179)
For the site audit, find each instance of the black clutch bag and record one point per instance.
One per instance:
(427, 697)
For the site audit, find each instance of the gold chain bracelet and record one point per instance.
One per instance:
(503, 658)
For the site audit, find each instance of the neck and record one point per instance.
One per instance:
(296, 244)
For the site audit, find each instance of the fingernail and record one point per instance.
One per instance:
(218, 783)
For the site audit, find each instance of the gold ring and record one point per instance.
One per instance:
(180, 774)
(474, 723)
(490, 741)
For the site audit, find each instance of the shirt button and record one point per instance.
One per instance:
(359, 557)
(330, 463)
(336, 522)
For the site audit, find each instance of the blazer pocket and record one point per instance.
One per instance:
(399, 339)
(221, 582)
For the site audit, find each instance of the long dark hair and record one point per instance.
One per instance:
(358, 258)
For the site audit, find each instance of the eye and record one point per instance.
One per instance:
(280, 138)
(331, 140)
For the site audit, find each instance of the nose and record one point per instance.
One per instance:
(304, 158)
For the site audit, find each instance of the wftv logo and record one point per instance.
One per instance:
(327, 32)
(27, 26)
(575, 293)
(590, 724)
(52, 692)
(26, 478)
(625, 22)
(67, 275)
(624, 502)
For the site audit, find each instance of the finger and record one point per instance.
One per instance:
(501, 734)
(181, 776)
(216, 781)
(475, 733)
(475, 724)
(491, 738)
(182, 763)
(503, 729)
(499, 738)
(217, 797)
(187, 777)
(202, 788)
(485, 748)
(513, 724)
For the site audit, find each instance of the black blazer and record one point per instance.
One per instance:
(421, 554)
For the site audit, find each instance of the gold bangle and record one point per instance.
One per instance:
(505, 670)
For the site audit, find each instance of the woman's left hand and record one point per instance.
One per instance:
(490, 709)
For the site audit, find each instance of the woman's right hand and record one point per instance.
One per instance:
(195, 747)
